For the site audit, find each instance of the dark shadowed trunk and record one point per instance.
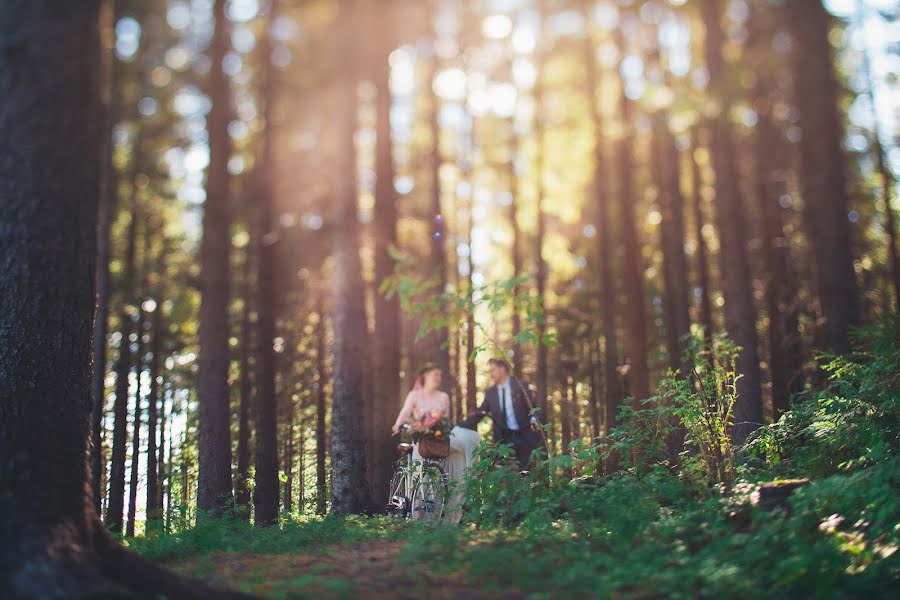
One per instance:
(214, 445)
(107, 207)
(634, 312)
(387, 341)
(53, 543)
(737, 280)
(138, 412)
(540, 280)
(823, 174)
(157, 332)
(241, 481)
(265, 416)
(782, 305)
(349, 492)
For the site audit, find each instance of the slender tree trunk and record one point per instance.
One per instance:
(702, 250)
(138, 414)
(106, 210)
(823, 174)
(241, 484)
(349, 492)
(115, 511)
(387, 341)
(321, 397)
(737, 280)
(162, 478)
(565, 411)
(154, 499)
(214, 445)
(471, 383)
(289, 458)
(634, 312)
(515, 252)
(54, 545)
(541, 271)
(265, 494)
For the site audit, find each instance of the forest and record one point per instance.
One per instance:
(234, 235)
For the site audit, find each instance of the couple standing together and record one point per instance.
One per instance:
(507, 402)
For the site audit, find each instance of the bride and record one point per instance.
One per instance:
(426, 398)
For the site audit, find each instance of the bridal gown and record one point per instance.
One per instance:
(463, 443)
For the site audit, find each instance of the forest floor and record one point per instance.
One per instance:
(373, 570)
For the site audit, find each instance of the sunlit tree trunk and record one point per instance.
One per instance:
(349, 492)
(321, 397)
(214, 445)
(540, 279)
(823, 174)
(387, 344)
(702, 266)
(737, 280)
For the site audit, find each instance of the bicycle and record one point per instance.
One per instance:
(418, 488)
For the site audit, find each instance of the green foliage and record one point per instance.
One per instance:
(436, 309)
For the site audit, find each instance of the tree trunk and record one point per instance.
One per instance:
(107, 207)
(387, 341)
(823, 174)
(154, 499)
(702, 266)
(265, 494)
(321, 397)
(541, 270)
(612, 396)
(785, 340)
(289, 458)
(471, 383)
(737, 280)
(214, 445)
(115, 510)
(241, 483)
(635, 316)
(137, 418)
(54, 545)
(349, 492)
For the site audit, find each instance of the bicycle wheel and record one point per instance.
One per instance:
(429, 494)
(398, 501)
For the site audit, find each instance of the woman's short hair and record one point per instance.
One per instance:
(500, 362)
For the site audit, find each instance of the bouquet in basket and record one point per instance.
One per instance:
(432, 432)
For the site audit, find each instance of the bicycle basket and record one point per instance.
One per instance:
(431, 447)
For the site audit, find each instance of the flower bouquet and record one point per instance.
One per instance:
(432, 433)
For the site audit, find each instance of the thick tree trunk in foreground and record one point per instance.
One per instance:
(53, 543)
(265, 494)
(737, 280)
(823, 176)
(387, 341)
(349, 490)
(214, 445)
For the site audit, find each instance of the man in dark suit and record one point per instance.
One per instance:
(508, 404)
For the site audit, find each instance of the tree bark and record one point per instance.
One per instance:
(54, 545)
(702, 265)
(265, 495)
(107, 207)
(137, 414)
(214, 444)
(241, 483)
(634, 312)
(823, 174)
(387, 341)
(541, 269)
(349, 492)
(737, 280)
(158, 333)
(321, 398)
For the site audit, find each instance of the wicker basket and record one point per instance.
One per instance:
(431, 447)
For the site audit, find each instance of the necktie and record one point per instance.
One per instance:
(503, 405)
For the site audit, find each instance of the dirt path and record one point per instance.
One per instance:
(366, 570)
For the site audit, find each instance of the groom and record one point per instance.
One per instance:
(508, 403)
